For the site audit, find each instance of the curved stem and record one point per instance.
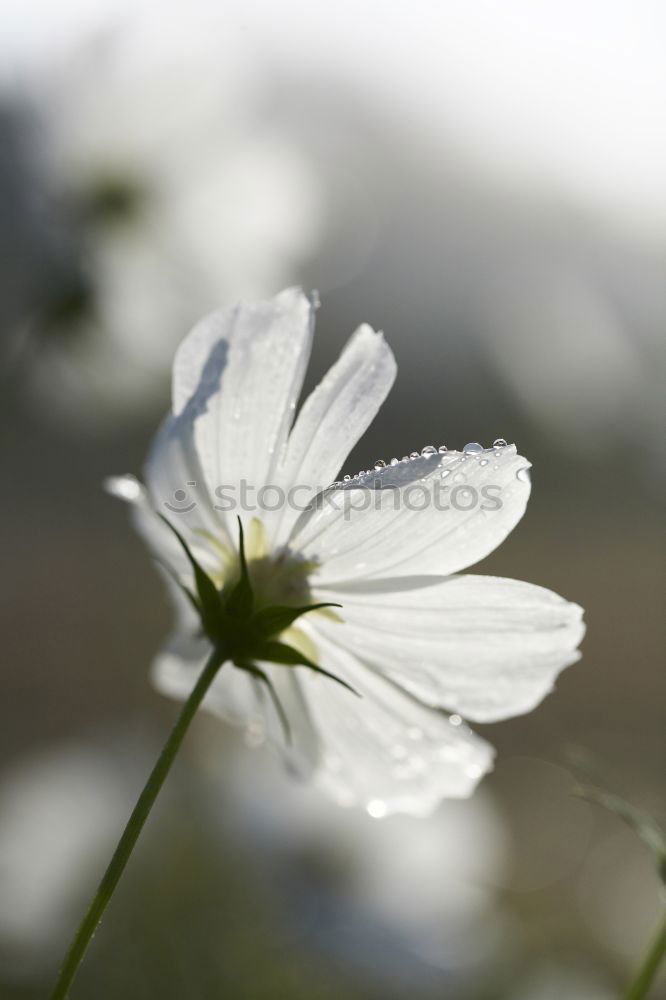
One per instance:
(649, 967)
(134, 826)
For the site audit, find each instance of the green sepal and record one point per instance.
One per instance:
(255, 671)
(279, 652)
(240, 600)
(207, 593)
(273, 620)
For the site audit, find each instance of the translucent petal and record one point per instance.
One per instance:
(232, 695)
(244, 404)
(386, 751)
(483, 647)
(243, 700)
(432, 514)
(194, 525)
(334, 417)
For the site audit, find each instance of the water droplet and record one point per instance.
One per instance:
(455, 720)
(442, 449)
(380, 464)
(376, 808)
(405, 458)
(473, 448)
(445, 473)
(414, 454)
(484, 461)
(394, 461)
(499, 443)
(346, 479)
(523, 474)
(428, 450)
(459, 477)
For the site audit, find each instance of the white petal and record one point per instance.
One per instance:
(158, 537)
(193, 358)
(160, 540)
(244, 404)
(483, 647)
(386, 751)
(334, 417)
(232, 695)
(436, 514)
(243, 700)
(177, 484)
(235, 383)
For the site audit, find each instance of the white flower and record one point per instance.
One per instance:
(412, 636)
(58, 816)
(432, 884)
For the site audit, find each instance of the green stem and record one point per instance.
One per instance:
(649, 966)
(134, 826)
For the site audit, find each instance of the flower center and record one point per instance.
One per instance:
(276, 577)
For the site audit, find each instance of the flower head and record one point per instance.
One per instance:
(324, 593)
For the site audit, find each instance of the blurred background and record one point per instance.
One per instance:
(487, 184)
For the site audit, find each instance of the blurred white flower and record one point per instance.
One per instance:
(173, 192)
(58, 818)
(432, 883)
(415, 636)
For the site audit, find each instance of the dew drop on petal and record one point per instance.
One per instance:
(442, 449)
(380, 464)
(484, 461)
(376, 808)
(428, 450)
(523, 474)
(405, 458)
(499, 443)
(473, 448)
(414, 454)
(459, 477)
(394, 461)
(455, 719)
(445, 472)
(346, 479)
